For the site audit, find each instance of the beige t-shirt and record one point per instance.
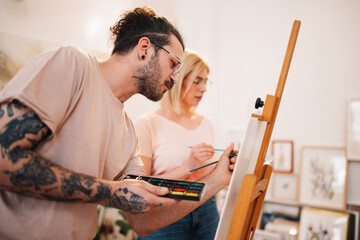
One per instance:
(91, 134)
(167, 142)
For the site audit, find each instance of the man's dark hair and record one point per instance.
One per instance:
(141, 22)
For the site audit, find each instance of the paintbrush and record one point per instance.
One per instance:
(215, 149)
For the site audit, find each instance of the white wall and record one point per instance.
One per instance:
(244, 42)
(323, 75)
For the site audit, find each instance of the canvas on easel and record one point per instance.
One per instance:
(245, 164)
(251, 176)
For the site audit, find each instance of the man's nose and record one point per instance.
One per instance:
(174, 77)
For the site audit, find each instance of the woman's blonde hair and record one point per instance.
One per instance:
(193, 65)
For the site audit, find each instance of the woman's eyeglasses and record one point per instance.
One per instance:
(199, 82)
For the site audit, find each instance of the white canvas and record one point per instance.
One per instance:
(246, 162)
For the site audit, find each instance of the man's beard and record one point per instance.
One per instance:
(148, 80)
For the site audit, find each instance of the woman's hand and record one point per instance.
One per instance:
(199, 154)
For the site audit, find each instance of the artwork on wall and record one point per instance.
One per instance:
(280, 218)
(282, 151)
(323, 224)
(284, 186)
(323, 175)
(353, 133)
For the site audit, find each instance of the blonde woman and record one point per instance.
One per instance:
(175, 139)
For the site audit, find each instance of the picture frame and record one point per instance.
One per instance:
(353, 130)
(323, 177)
(353, 193)
(266, 235)
(277, 210)
(283, 155)
(353, 225)
(284, 186)
(323, 224)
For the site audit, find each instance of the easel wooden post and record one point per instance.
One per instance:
(254, 186)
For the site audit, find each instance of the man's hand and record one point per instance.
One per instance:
(225, 166)
(137, 197)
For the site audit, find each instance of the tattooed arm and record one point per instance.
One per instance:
(24, 172)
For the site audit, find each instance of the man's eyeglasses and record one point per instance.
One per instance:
(198, 81)
(180, 63)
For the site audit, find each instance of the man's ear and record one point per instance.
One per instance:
(143, 46)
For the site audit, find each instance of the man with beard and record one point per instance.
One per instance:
(65, 138)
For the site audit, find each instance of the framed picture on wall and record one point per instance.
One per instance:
(283, 153)
(353, 130)
(323, 224)
(266, 235)
(323, 175)
(284, 186)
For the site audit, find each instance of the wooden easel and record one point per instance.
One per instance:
(254, 186)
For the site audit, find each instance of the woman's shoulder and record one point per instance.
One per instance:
(203, 117)
(145, 118)
(206, 120)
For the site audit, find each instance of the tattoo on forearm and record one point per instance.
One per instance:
(74, 183)
(135, 205)
(36, 172)
(103, 193)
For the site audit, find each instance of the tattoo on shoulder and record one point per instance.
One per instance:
(18, 128)
(129, 201)
(10, 112)
(16, 104)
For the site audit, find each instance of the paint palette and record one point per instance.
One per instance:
(178, 189)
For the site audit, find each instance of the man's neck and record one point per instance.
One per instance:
(118, 72)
